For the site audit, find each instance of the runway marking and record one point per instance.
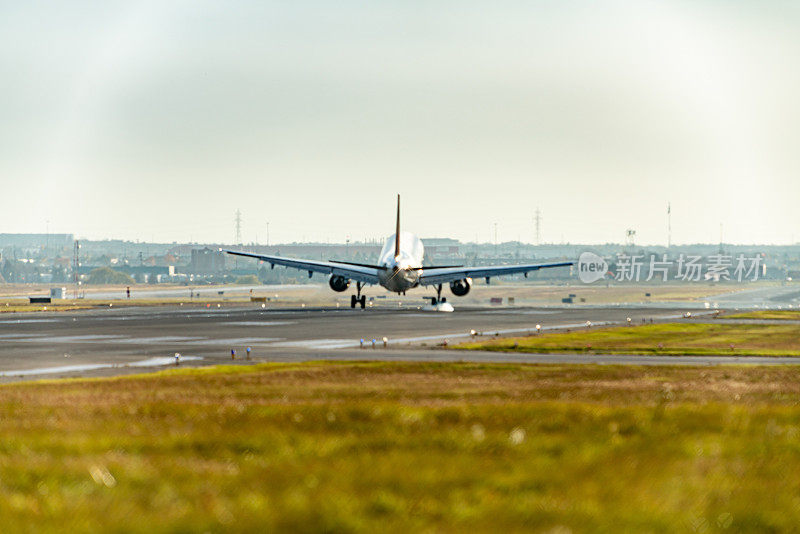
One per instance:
(165, 340)
(317, 344)
(89, 338)
(235, 341)
(424, 314)
(150, 362)
(522, 312)
(157, 340)
(133, 315)
(18, 321)
(259, 323)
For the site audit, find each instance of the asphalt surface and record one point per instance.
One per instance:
(771, 297)
(125, 340)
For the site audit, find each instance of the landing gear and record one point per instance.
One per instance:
(439, 303)
(358, 298)
(438, 298)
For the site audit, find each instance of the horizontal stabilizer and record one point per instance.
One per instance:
(380, 267)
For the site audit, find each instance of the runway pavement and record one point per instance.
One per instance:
(769, 297)
(118, 341)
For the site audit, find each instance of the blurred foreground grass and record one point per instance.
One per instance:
(405, 447)
(666, 339)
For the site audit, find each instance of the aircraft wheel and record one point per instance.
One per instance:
(352, 301)
(363, 301)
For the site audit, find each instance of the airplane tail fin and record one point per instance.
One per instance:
(397, 231)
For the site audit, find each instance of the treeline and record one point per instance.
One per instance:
(20, 272)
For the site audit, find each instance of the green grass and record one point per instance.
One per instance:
(766, 315)
(666, 339)
(364, 447)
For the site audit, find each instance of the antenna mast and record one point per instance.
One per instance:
(669, 224)
(76, 263)
(238, 227)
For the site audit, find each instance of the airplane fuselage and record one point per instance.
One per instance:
(404, 269)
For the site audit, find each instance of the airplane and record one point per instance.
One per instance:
(399, 268)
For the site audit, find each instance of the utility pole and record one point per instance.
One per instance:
(238, 228)
(495, 240)
(76, 263)
(669, 224)
(538, 221)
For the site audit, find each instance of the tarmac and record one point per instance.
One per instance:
(125, 340)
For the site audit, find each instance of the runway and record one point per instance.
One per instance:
(770, 297)
(118, 341)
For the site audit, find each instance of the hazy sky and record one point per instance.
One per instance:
(157, 120)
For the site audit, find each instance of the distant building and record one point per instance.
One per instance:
(207, 261)
(27, 243)
(438, 249)
(58, 293)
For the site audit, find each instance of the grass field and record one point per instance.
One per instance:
(598, 293)
(97, 297)
(790, 315)
(666, 339)
(405, 447)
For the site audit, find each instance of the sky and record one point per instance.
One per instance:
(158, 120)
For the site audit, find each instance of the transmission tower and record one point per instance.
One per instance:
(76, 263)
(538, 222)
(630, 236)
(669, 224)
(238, 227)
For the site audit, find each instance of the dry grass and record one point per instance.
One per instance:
(18, 306)
(528, 293)
(668, 339)
(405, 447)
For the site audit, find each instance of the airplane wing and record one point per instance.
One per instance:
(359, 273)
(451, 274)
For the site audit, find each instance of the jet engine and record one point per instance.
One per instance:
(339, 283)
(461, 287)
